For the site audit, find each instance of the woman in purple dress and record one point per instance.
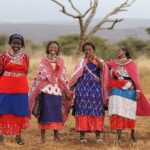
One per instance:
(88, 83)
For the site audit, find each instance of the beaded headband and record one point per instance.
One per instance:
(123, 48)
(17, 36)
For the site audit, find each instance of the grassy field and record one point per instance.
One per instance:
(69, 138)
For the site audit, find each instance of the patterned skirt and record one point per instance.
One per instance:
(122, 109)
(89, 110)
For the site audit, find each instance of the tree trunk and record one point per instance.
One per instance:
(86, 18)
(81, 42)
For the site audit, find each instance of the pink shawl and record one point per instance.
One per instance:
(143, 105)
(47, 75)
(104, 76)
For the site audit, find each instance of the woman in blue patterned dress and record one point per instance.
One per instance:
(87, 83)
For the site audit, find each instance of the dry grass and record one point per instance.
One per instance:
(144, 70)
(69, 138)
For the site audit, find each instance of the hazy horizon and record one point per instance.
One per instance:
(61, 21)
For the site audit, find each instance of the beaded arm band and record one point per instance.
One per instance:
(138, 91)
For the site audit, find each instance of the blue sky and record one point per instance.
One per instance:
(45, 10)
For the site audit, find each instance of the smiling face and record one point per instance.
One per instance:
(16, 45)
(120, 53)
(53, 49)
(88, 51)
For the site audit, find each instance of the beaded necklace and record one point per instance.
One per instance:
(52, 59)
(15, 58)
(122, 62)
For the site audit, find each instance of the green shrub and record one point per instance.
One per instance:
(134, 45)
(69, 43)
(148, 30)
(3, 40)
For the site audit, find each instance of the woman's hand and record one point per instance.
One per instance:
(90, 57)
(69, 95)
(99, 62)
(138, 94)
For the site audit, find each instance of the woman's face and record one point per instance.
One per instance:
(16, 45)
(53, 49)
(120, 53)
(88, 51)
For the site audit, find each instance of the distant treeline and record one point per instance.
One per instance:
(104, 48)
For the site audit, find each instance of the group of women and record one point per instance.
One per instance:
(93, 85)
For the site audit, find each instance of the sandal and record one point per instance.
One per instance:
(99, 140)
(83, 140)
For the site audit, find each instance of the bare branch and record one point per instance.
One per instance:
(116, 10)
(88, 15)
(91, 3)
(74, 8)
(114, 22)
(122, 7)
(87, 12)
(92, 14)
(64, 10)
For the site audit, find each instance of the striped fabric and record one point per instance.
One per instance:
(122, 103)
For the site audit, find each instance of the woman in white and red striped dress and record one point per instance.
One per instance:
(126, 95)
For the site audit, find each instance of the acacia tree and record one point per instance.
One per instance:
(86, 18)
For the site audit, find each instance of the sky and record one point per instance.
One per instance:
(48, 11)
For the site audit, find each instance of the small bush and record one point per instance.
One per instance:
(134, 45)
(3, 40)
(148, 30)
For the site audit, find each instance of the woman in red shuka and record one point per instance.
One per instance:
(14, 109)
